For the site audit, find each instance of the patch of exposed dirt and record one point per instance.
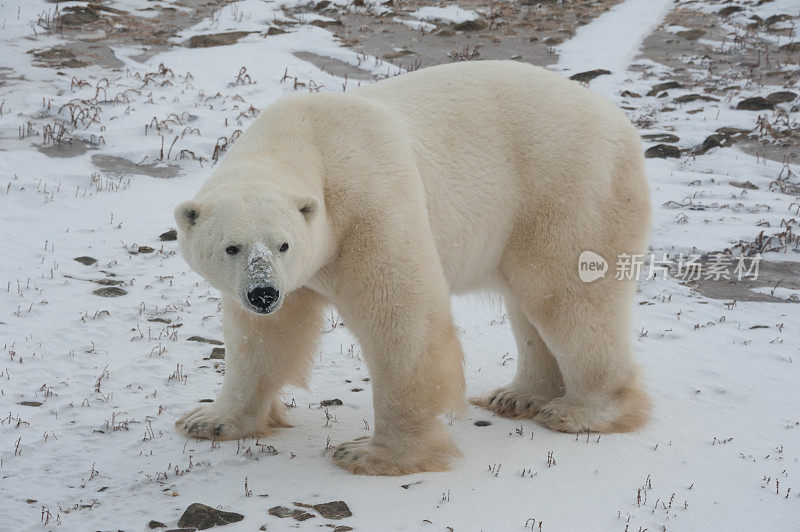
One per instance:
(334, 66)
(119, 166)
(770, 275)
(736, 61)
(526, 31)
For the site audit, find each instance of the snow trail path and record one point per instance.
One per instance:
(611, 41)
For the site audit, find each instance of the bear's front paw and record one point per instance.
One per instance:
(207, 423)
(364, 457)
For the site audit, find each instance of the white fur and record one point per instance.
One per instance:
(487, 175)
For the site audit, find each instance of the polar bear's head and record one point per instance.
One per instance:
(254, 249)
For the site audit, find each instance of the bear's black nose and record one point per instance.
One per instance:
(262, 297)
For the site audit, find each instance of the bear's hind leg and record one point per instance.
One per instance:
(538, 379)
(587, 329)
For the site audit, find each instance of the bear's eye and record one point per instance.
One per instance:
(232, 250)
(284, 247)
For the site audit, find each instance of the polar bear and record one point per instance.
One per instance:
(386, 200)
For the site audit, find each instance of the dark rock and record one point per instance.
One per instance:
(781, 97)
(732, 133)
(326, 23)
(109, 282)
(481, 423)
(283, 512)
(744, 184)
(662, 151)
(321, 5)
(202, 517)
(357, 389)
(218, 353)
(331, 402)
(630, 94)
(215, 39)
(728, 11)
(273, 30)
(661, 87)
(712, 141)
(687, 98)
(757, 103)
(342, 528)
(791, 47)
(30, 403)
(661, 137)
(691, 35)
(169, 236)
(769, 21)
(110, 291)
(586, 77)
(87, 261)
(156, 524)
(144, 249)
(206, 401)
(471, 25)
(204, 340)
(333, 510)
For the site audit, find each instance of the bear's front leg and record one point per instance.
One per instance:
(263, 353)
(398, 306)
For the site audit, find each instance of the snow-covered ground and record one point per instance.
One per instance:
(104, 378)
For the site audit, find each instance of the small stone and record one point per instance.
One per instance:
(215, 39)
(661, 87)
(168, 236)
(110, 291)
(471, 25)
(357, 389)
(712, 141)
(481, 423)
(87, 261)
(730, 10)
(781, 97)
(661, 137)
(331, 402)
(30, 403)
(586, 77)
(342, 528)
(757, 103)
(206, 401)
(202, 517)
(156, 524)
(273, 30)
(283, 512)
(687, 98)
(326, 23)
(218, 353)
(630, 94)
(333, 510)
(204, 340)
(321, 5)
(662, 151)
(744, 184)
(109, 282)
(145, 249)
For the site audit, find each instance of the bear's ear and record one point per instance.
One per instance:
(186, 214)
(308, 207)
